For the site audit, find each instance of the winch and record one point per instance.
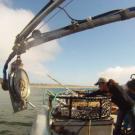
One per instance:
(18, 84)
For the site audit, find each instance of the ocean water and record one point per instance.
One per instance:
(20, 123)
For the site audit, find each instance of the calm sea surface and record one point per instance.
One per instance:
(19, 123)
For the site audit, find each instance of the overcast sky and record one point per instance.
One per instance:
(106, 51)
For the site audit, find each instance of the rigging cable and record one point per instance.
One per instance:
(69, 90)
(55, 14)
(67, 14)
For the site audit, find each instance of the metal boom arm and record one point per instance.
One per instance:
(106, 18)
(20, 38)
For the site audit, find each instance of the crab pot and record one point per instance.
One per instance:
(82, 116)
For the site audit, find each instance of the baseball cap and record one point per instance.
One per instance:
(101, 80)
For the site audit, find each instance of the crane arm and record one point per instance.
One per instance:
(19, 46)
(89, 23)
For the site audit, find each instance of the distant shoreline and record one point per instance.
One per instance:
(40, 85)
(58, 86)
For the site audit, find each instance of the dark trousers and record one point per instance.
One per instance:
(120, 117)
(131, 115)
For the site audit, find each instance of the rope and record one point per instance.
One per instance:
(61, 84)
(67, 14)
(11, 56)
(54, 99)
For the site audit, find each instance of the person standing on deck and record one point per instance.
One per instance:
(131, 88)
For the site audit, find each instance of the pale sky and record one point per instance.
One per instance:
(106, 51)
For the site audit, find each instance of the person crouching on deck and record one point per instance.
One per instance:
(120, 98)
(125, 103)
